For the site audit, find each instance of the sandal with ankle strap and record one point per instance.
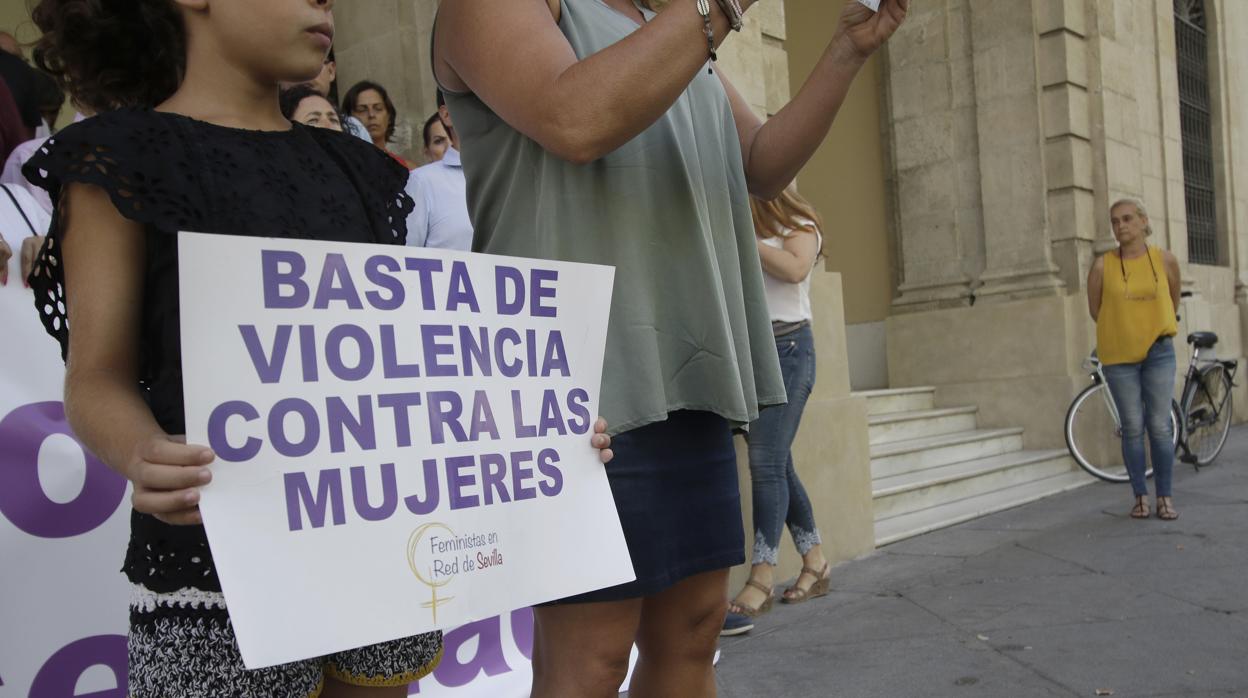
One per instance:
(1140, 510)
(823, 581)
(1166, 511)
(752, 611)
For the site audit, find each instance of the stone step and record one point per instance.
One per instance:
(916, 424)
(897, 528)
(932, 487)
(897, 457)
(894, 400)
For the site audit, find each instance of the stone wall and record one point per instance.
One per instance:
(1073, 104)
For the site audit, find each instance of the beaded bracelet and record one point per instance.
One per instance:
(734, 12)
(704, 9)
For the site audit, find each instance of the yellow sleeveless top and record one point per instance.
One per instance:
(1136, 308)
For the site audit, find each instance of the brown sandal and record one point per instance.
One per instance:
(823, 580)
(1165, 510)
(754, 612)
(1140, 510)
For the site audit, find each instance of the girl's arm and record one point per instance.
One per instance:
(103, 257)
(775, 151)
(514, 58)
(793, 262)
(1095, 276)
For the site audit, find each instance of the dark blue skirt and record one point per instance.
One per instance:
(675, 488)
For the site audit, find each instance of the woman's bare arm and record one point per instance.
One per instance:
(1096, 276)
(1173, 277)
(103, 256)
(792, 262)
(775, 151)
(514, 58)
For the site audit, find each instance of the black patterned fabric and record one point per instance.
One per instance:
(185, 655)
(172, 173)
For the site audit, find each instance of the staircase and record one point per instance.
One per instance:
(934, 467)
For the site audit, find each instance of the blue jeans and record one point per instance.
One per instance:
(1143, 393)
(779, 497)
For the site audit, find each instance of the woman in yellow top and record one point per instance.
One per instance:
(1132, 294)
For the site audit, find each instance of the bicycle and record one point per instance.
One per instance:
(1201, 419)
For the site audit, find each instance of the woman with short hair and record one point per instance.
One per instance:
(1133, 292)
(371, 104)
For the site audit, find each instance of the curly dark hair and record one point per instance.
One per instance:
(353, 96)
(109, 54)
(290, 98)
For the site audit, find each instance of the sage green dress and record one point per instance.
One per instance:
(689, 326)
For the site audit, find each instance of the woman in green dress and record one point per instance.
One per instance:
(599, 131)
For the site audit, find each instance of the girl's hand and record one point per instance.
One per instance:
(167, 475)
(867, 30)
(601, 441)
(30, 251)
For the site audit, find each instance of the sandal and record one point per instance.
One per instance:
(750, 611)
(1140, 510)
(1165, 509)
(823, 581)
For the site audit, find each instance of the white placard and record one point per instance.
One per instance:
(64, 519)
(402, 436)
(874, 5)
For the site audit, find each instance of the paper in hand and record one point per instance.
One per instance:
(874, 5)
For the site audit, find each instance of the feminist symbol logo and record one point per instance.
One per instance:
(428, 577)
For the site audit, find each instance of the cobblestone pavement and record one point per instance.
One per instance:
(1062, 597)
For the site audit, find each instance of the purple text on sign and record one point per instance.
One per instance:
(22, 499)
(488, 656)
(58, 678)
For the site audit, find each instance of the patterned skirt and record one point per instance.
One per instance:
(182, 645)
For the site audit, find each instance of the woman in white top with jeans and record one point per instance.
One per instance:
(789, 240)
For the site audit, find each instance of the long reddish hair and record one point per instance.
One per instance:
(789, 211)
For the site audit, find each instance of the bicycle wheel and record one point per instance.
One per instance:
(1208, 407)
(1094, 437)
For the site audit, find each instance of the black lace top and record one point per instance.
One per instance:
(171, 173)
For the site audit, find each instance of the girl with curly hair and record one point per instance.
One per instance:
(189, 136)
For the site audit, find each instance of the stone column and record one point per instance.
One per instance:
(387, 41)
(933, 160)
(1011, 152)
(1228, 75)
(1074, 176)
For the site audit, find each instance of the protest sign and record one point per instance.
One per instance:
(64, 518)
(402, 436)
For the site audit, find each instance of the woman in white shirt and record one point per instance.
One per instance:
(789, 239)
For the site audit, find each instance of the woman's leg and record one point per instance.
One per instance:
(770, 500)
(805, 532)
(1124, 385)
(1157, 387)
(582, 649)
(800, 516)
(677, 637)
(770, 438)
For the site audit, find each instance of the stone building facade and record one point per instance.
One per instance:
(1010, 126)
